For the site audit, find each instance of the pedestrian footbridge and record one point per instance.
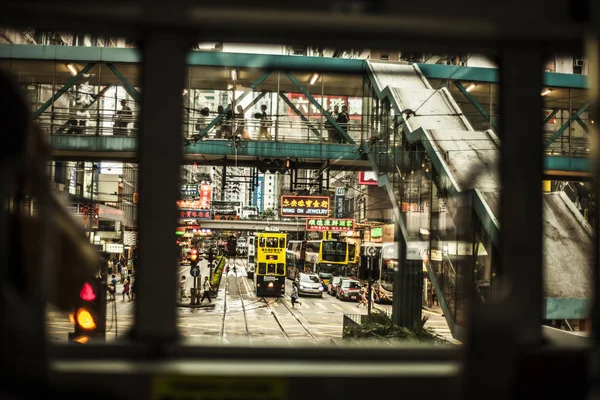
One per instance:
(76, 92)
(449, 167)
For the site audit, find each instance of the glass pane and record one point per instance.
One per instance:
(74, 103)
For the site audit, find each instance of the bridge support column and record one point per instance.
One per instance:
(408, 283)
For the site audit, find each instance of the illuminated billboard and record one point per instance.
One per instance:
(304, 206)
(329, 224)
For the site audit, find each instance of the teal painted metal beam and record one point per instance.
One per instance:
(70, 53)
(568, 164)
(328, 116)
(491, 75)
(566, 308)
(276, 62)
(96, 97)
(276, 149)
(129, 88)
(578, 120)
(299, 113)
(565, 126)
(220, 117)
(63, 90)
(267, 61)
(550, 116)
(255, 100)
(201, 58)
(475, 103)
(582, 124)
(106, 145)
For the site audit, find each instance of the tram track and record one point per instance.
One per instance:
(249, 287)
(223, 331)
(313, 337)
(285, 334)
(243, 308)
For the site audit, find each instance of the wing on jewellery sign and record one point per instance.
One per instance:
(304, 206)
(329, 224)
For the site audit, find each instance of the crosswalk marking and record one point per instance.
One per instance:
(338, 307)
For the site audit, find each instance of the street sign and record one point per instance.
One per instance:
(371, 251)
(195, 271)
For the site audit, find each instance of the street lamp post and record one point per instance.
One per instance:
(91, 208)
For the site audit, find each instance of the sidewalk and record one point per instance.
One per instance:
(187, 301)
(118, 289)
(434, 309)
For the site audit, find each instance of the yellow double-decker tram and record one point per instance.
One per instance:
(271, 263)
(328, 258)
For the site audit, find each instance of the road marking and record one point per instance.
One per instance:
(338, 307)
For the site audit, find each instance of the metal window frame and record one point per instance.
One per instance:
(500, 336)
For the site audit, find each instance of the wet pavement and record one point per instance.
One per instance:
(239, 317)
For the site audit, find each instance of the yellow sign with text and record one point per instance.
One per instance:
(219, 388)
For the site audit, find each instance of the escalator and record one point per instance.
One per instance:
(465, 179)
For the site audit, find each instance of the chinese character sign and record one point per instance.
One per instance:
(195, 214)
(329, 224)
(189, 190)
(257, 195)
(304, 206)
(367, 178)
(340, 194)
(205, 195)
(190, 204)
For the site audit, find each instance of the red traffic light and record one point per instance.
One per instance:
(87, 292)
(193, 254)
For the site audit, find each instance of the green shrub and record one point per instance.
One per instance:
(216, 279)
(379, 325)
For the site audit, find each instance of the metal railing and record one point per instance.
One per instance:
(62, 121)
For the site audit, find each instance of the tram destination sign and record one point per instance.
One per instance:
(304, 206)
(330, 224)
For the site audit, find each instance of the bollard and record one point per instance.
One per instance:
(193, 297)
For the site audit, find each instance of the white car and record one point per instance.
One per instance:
(309, 285)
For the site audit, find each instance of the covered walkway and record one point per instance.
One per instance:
(300, 93)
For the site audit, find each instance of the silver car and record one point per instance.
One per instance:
(309, 285)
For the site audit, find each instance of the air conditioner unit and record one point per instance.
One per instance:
(578, 62)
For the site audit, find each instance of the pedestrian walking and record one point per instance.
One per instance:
(207, 288)
(295, 296)
(363, 297)
(182, 290)
(265, 123)
(112, 287)
(126, 288)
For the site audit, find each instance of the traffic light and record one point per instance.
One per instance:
(194, 257)
(275, 166)
(89, 316)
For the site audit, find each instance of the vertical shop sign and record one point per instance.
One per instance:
(340, 194)
(205, 193)
(257, 195)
